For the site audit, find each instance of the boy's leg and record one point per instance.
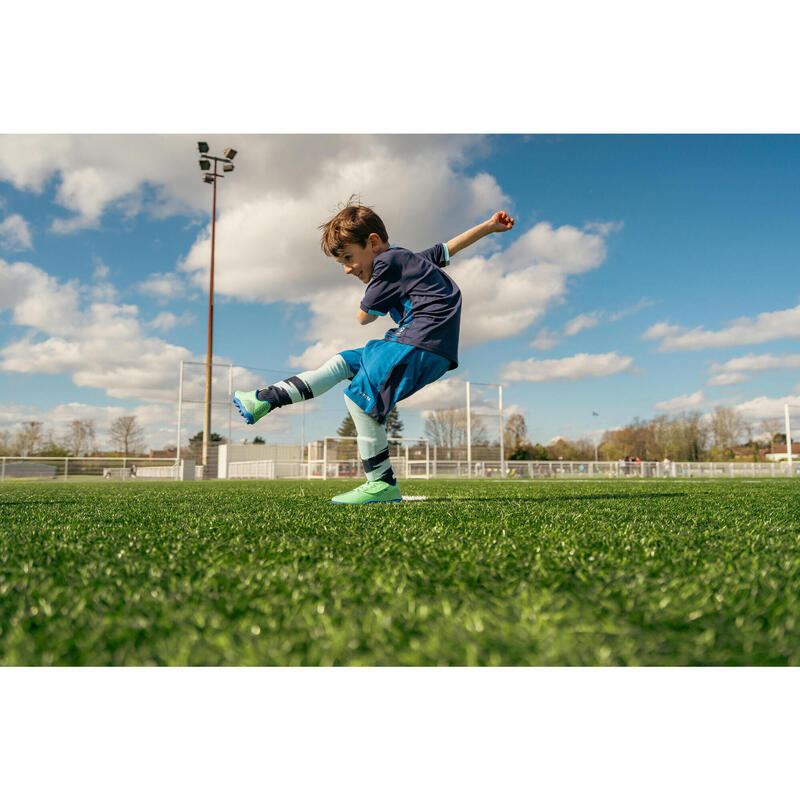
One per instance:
(373, 447)
(303, 386)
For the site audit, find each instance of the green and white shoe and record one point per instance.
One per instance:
(370, 492)
(250, 407)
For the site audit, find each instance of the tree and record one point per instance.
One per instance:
(6, 445)
(515, 433)
(447, 427)
(79, 438)
(258, 440)
(347, 428)
(727, 427)
(213, 438)
(394, 425)
(127, 435)
(29, 438)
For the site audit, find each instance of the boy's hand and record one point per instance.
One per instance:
(500, 222)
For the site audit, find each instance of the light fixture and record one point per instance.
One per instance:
(208, 178)
(205, 164)
(202, 147)
(227, 167)
(230, 153)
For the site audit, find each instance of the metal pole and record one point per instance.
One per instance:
(180, 411)
(325, 460)
(469, 436)
(3, 473)
(788, 437)
(230, 405)
(303, 434)
(207, 416)
(502, 443)
(66, 467)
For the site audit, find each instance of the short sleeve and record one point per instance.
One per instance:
(438, 254)
(383, 291)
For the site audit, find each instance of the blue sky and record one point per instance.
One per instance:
(644, 274)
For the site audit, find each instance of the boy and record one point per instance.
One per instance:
(426, 305)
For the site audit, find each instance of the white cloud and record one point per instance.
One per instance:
(765, 327)
(166, 320)
(15, 233)
(762, 363)
(604, 228)
(164, 285)
(685, 402)
(625, 312)
(573, 368)
(733, 371)
(765, 407)
(444, 393)
(101, 345)
(545, 340)
(582, 321)
(728, 379)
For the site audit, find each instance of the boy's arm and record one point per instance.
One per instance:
(364, 318)
(498, 223)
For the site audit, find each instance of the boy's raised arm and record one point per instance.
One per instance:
(499, 222)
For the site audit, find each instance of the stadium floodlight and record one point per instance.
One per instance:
(208, 178)
(227, 167)
(204, 165)
(202, 147)
(230, 153)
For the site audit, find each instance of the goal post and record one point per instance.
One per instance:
(326, 462)
(787, 415)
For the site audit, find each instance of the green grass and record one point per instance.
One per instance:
(545, 572)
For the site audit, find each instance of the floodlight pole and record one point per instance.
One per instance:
(204, 165)
(209, 347)
(788, 436)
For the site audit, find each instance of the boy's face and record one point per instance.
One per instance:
(358, 260)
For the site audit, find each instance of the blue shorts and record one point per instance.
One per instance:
(386, 372)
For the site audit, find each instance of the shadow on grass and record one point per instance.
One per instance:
(647, 495)
(36, 502)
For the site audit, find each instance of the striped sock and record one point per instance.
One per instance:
(306, 385)
(373, 446)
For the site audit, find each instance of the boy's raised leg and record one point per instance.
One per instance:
(303, 386)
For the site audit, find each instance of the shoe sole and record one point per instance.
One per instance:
(248, 417)
(369, 502)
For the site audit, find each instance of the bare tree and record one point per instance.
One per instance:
(29, 438)
(515, 433)
(6, 444)
(79, 439)
(447, 427)
(727, 427)
(127, 435)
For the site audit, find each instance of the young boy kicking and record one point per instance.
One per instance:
(426, 305)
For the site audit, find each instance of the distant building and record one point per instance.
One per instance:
(170, 452)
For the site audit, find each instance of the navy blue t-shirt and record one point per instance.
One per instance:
(424, 301)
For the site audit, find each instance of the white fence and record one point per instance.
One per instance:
(74, 468)
(527, 470)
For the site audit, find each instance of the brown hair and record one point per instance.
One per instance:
(352, 225)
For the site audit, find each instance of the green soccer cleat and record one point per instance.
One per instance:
(249, 407)
(371, 492)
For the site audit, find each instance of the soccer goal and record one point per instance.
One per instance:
(337, 457)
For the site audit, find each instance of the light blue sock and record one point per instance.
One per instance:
(306, 385)
(373, 446)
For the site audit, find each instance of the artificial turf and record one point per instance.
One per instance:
(627, 572)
